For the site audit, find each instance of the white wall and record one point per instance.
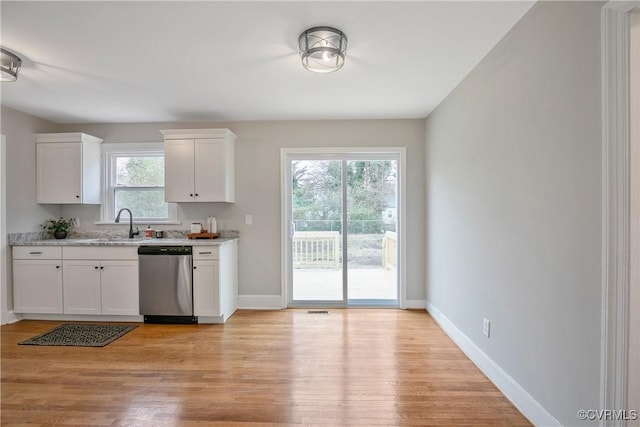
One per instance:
(22, 212)
(513, 225)
(258, 185)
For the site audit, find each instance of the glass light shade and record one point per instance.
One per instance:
(322, 49)
(9, 65)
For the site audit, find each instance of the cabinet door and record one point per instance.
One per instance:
(206, 290)
(210, 170)
(120, 287)
(59, 172)
(37, 286)
(81, 287)
(228, 278)
(178, 170)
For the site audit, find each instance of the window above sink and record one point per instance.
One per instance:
(134, 178)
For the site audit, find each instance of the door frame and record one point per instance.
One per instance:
(285, 198)
(633, 384)
(615, 40)
(4, 291)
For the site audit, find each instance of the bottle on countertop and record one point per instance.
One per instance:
(148, 233)
(211, 224)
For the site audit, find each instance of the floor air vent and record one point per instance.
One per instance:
(317, 312)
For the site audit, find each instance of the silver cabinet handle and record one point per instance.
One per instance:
(205, 253)
(35, 253)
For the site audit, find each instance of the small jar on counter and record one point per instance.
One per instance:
(148, 233)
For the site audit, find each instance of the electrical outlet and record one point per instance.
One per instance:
(248, 219)
(486, 327)
(76, 222)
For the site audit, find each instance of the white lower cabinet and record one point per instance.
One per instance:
(90, 280)
(119, 288)
(100, 287)
(37, 286)
(100, 280)
(206, 288)
(81, 287)
(215, 282)
(37, 280)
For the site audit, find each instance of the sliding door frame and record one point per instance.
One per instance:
(288, 154)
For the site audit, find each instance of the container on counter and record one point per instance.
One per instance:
(212, 225)
(159, 234)
(148, 233)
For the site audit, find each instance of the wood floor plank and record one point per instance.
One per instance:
(263, 368)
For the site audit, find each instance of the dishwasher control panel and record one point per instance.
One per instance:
(165, 250)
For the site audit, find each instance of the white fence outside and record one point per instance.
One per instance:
(389, 243)
(316, 249)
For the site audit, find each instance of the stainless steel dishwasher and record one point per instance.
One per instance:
(166, 284)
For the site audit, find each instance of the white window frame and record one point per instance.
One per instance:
(347, 153)
(109, 153)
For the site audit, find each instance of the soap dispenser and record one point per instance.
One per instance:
(148, 233)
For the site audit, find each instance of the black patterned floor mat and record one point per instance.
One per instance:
(80, 335)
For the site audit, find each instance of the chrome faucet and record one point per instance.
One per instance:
(131, 232)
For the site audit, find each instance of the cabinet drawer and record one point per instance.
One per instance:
(206, 252)
(84, 252)
(37, 252)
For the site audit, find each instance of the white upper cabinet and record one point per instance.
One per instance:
(199, 165)
(179, 178)
(68, 168)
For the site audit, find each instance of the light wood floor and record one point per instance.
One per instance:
(350, 367)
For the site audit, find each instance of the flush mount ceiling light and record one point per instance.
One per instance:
(10, 65)
(322, 49)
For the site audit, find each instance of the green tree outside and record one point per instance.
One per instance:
(317, 194)
(140, 186)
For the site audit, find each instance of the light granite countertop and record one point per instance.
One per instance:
(109, 238)
(126, 242)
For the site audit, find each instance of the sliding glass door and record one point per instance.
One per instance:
(341, 225)
(316, 245)
(371, 231)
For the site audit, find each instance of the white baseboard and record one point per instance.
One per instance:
(260, 302)
(274, 302)
(522, 400)
(415, 304)
(7, 317)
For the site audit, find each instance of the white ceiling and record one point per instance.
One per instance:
(151, 61)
